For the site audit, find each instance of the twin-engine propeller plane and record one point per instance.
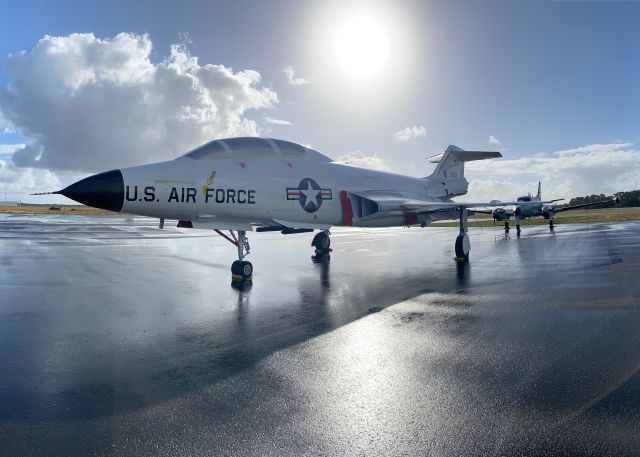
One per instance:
(242, 184)
(529, 206)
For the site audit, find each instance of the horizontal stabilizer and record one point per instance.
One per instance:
(465, 156)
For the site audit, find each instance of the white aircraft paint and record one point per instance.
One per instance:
(243, 184)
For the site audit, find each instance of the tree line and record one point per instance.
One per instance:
(625, 199)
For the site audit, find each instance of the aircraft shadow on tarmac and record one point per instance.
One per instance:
(142, 380)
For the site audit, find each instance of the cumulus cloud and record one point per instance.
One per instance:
(590, 169)
(373, 162)
(17, 182)
(90, 104)
(410, 133)
(290, 74)
(493, 140)
(274, 121)
(10, 148)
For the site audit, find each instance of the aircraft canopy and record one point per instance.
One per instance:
(243, 148)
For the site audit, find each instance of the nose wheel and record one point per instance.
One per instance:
(241, 270)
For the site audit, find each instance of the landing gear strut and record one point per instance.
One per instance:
(506, 226)
(551, 223)
(241, 270)
(463, 246)
(322, 242)
(518, 225)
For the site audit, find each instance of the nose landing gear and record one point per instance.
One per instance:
(241, 270)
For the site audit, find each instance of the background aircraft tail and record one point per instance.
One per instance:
(539, 196)
(451, 161)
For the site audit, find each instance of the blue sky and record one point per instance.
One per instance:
(540, 77)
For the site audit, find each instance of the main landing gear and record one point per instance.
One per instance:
(551, 224)
(506, 226)
(463, 246)
(322, 242)
(241, 270)
(518, 225)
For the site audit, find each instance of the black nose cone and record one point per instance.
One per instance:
(104, 191)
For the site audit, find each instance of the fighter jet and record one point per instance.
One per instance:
(247, 183)
(529, 206)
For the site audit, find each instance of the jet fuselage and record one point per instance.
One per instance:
(260, 191)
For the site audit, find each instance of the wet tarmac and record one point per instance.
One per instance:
(120, 339)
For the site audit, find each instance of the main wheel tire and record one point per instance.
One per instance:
(245, 269)
(235, 270)
(322, 241)
(459, 248)
(550, 225)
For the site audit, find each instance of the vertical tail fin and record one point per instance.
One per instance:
(539, 196)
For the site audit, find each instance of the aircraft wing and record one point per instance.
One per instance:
(390, 201)
(553, 201)
(567, 208)
(454, 205)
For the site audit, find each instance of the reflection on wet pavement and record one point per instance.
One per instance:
(118, 338)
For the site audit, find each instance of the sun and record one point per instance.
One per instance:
(361, 47)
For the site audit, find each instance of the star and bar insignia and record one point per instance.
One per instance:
(309, 194)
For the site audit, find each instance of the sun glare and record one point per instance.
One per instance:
(361, 47)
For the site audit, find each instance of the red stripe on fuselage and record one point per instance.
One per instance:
(347, 210)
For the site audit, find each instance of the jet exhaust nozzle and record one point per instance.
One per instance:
(104, 191)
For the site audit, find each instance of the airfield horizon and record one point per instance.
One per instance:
(569, 217)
